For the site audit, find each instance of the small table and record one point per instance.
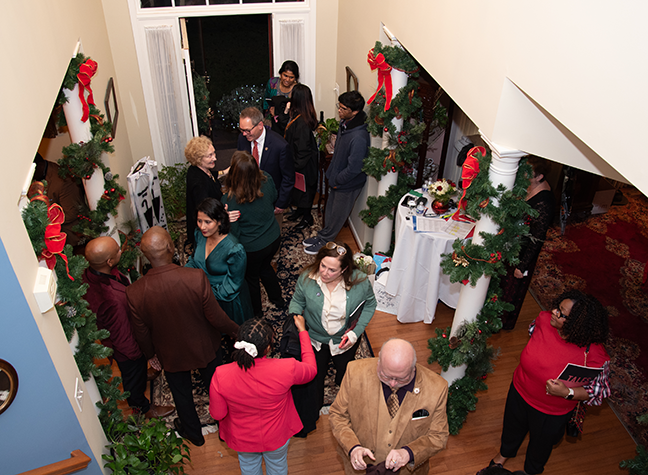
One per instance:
(415, 274)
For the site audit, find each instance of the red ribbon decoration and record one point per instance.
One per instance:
(86, 71)
(54, 238)
(469, 171)
(384, 78)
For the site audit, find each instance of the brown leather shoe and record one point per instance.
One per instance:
(159, 411)
(152, 374)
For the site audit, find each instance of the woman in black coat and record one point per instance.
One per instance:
(301, 140)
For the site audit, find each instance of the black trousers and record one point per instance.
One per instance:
(309, 397)
(545, 431)
(182, 391)
(134, 378)
(259, 268)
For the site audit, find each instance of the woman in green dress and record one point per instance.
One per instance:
(223, 259)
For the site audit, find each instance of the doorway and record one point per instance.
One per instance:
(230, 52)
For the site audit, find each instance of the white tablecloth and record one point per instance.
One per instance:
(415, 274)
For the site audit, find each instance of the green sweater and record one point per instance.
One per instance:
(257, 227)
(308, 301)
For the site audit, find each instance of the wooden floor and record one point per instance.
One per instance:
(598, 452)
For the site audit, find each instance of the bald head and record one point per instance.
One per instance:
(103, 254)
(157, 246)
(396, 362)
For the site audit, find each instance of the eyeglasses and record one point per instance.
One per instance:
(342, 107)
(562, 315)
(247, 131)
(341, 250)
(210, 154)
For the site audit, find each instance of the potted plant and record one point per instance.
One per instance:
(327, 132)
(144, 447)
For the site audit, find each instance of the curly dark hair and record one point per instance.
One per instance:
(587, 321)
(258, 332)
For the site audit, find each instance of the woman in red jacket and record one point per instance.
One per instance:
(252, 400)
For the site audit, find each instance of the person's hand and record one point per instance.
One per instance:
(357, 457)
(279, 210)
(300, 323)
(233, 215)
(345, 343)
(518, 274)
(556, 387)
(396, 459)
(155, 363)
(224, 172)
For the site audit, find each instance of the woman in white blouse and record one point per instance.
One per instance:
(337, 301)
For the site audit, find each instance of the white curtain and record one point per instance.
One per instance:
(291, 41)
(166, 91)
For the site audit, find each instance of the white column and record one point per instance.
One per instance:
(80, 132)
(503, 169)
(383, 230)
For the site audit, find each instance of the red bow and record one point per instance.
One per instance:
(384, 78)
(86, 71)
(469, 171)
(54, 238)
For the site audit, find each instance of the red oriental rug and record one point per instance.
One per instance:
(606, 256)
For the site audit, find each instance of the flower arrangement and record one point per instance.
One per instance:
(442, 190)
(365, 263)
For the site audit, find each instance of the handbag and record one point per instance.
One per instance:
(289, 345)
(575, 424)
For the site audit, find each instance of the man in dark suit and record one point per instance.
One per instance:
(271, 152)
(106, 296)
(175, 316)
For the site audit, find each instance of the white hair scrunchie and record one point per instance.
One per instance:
(249, 348)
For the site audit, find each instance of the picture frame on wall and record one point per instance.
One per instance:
(352, 80)
(110, 103)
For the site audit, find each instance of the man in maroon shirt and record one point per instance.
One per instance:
(106, 296)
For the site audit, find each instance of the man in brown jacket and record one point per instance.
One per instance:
(175, 316)
(390, 411)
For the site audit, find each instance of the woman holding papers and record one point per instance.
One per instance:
(300, 138)
(337, 301)
(538, 402)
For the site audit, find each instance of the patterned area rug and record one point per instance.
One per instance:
(290, 261)
(606, 256)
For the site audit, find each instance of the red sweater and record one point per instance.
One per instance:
(544, 357)
(255, 407)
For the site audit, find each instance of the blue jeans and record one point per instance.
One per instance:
(276, 461)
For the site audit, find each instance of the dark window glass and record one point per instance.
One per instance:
(155, 3)
(257, 1)
(186, 3)
(222, 2)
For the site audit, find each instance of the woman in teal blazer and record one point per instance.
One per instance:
(337, 301)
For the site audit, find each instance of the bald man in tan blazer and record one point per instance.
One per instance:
(361, 421)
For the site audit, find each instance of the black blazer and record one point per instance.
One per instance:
(277, 161)
(199, 187)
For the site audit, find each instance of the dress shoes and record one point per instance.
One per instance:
(280, 304)
(178, 427)
(152, 374)
(294, 216)
(304, 223)
(159, 411)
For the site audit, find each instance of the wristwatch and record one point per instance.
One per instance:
(570, 396)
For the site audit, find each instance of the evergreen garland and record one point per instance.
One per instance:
(80, 161)
(74, 314)
(467, 264)
(201, 98)
(401, 150)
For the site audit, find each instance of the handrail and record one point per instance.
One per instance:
(77, 461)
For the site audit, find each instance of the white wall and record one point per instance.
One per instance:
(564, 80)
(37, 41)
